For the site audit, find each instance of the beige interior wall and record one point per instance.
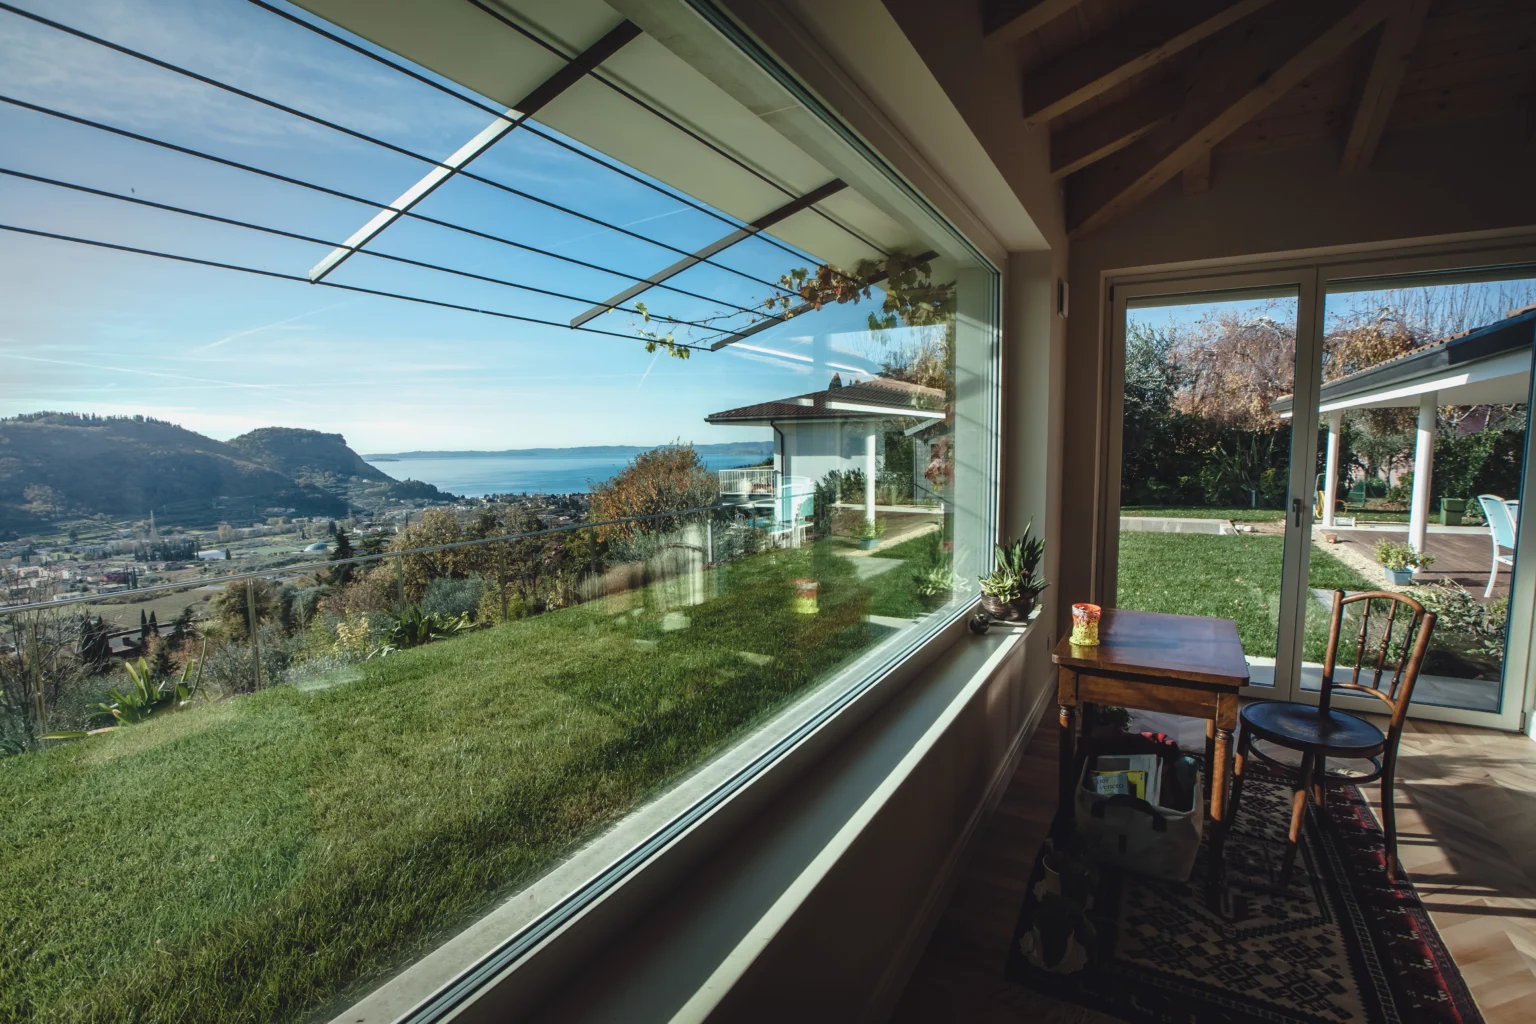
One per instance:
(1422, 186)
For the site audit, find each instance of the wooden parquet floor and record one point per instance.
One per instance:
(1466, 811)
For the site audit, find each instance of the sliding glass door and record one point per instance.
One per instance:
(1358, 426)
(1205, 524)
(1423, 418)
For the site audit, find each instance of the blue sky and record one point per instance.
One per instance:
(222, 352)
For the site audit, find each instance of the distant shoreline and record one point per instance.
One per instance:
(591, 451)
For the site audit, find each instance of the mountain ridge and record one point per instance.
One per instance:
(56, 465)
(719, 448)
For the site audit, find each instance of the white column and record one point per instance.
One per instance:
(1423, 472)
(870, 440)
(1331, 466)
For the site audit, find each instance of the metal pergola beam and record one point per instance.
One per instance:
(573, 71)
(761, 224)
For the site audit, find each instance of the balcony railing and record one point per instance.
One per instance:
(753, 481)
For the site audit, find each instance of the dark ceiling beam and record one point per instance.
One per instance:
(1251, 64)
(1144, 41)
(1112, 129)
(1398, 39)
(1003, 21)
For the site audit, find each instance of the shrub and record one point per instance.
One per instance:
(935, 581)
(232, 606)
(863, 529)
(1398, 555)
(489, 609)
(453, 597)
(229, 667)
(671, 478)
(1481, 626)
(413, 627)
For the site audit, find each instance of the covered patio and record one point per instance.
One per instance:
(1487, 366)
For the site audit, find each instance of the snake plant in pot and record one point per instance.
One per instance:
(1010, 590)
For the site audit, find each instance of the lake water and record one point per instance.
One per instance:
(476, 477)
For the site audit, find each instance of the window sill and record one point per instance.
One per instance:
(830, 888)
(633, 870)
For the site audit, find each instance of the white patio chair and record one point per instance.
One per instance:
(1501, 530)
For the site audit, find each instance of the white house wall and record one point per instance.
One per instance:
(816, 449)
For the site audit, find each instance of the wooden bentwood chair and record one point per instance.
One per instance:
(1321, 732)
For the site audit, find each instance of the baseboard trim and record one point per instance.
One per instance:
(893, 982)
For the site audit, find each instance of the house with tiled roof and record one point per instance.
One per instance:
(845, 427)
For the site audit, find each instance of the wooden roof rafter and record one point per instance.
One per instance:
(1155, 35)
(1003, 21)
(1398, 39)
(1251, 64)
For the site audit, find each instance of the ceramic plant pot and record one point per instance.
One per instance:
(1016, 610)
(1400, 577)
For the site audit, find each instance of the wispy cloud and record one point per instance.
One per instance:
(266, 56)
(649, 367)
(266, 327)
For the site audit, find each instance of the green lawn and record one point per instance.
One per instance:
(250, 860)
(1237, 515)
(1233, 577)
(924, 548)
(1248, 515)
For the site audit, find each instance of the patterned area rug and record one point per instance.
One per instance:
(1338, 944)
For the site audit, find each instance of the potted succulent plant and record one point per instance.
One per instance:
(1400, 560)
(1009, 591)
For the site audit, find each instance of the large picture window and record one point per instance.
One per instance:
(410, 467)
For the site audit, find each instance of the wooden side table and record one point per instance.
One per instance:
(1179, 664)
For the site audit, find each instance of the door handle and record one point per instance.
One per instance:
(1296, 507)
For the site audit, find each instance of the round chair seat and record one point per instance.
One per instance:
(1302, 727)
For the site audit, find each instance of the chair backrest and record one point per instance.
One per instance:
(1405, 628)
(1499, 520)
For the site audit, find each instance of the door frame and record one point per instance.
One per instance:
(1298, 282)
(1311, 276)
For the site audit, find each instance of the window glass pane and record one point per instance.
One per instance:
(333, 616)
(1205, 462)
(1425, 380)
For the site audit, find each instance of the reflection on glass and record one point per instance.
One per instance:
(1420, 467)
(1205, 460)
(272, 709)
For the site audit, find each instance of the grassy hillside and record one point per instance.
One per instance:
(249, 859)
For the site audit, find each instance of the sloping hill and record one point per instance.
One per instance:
(305, 454)
(54, 464)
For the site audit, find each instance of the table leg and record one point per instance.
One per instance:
(1065, 804)
(1210, 748)
(1221, 771)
